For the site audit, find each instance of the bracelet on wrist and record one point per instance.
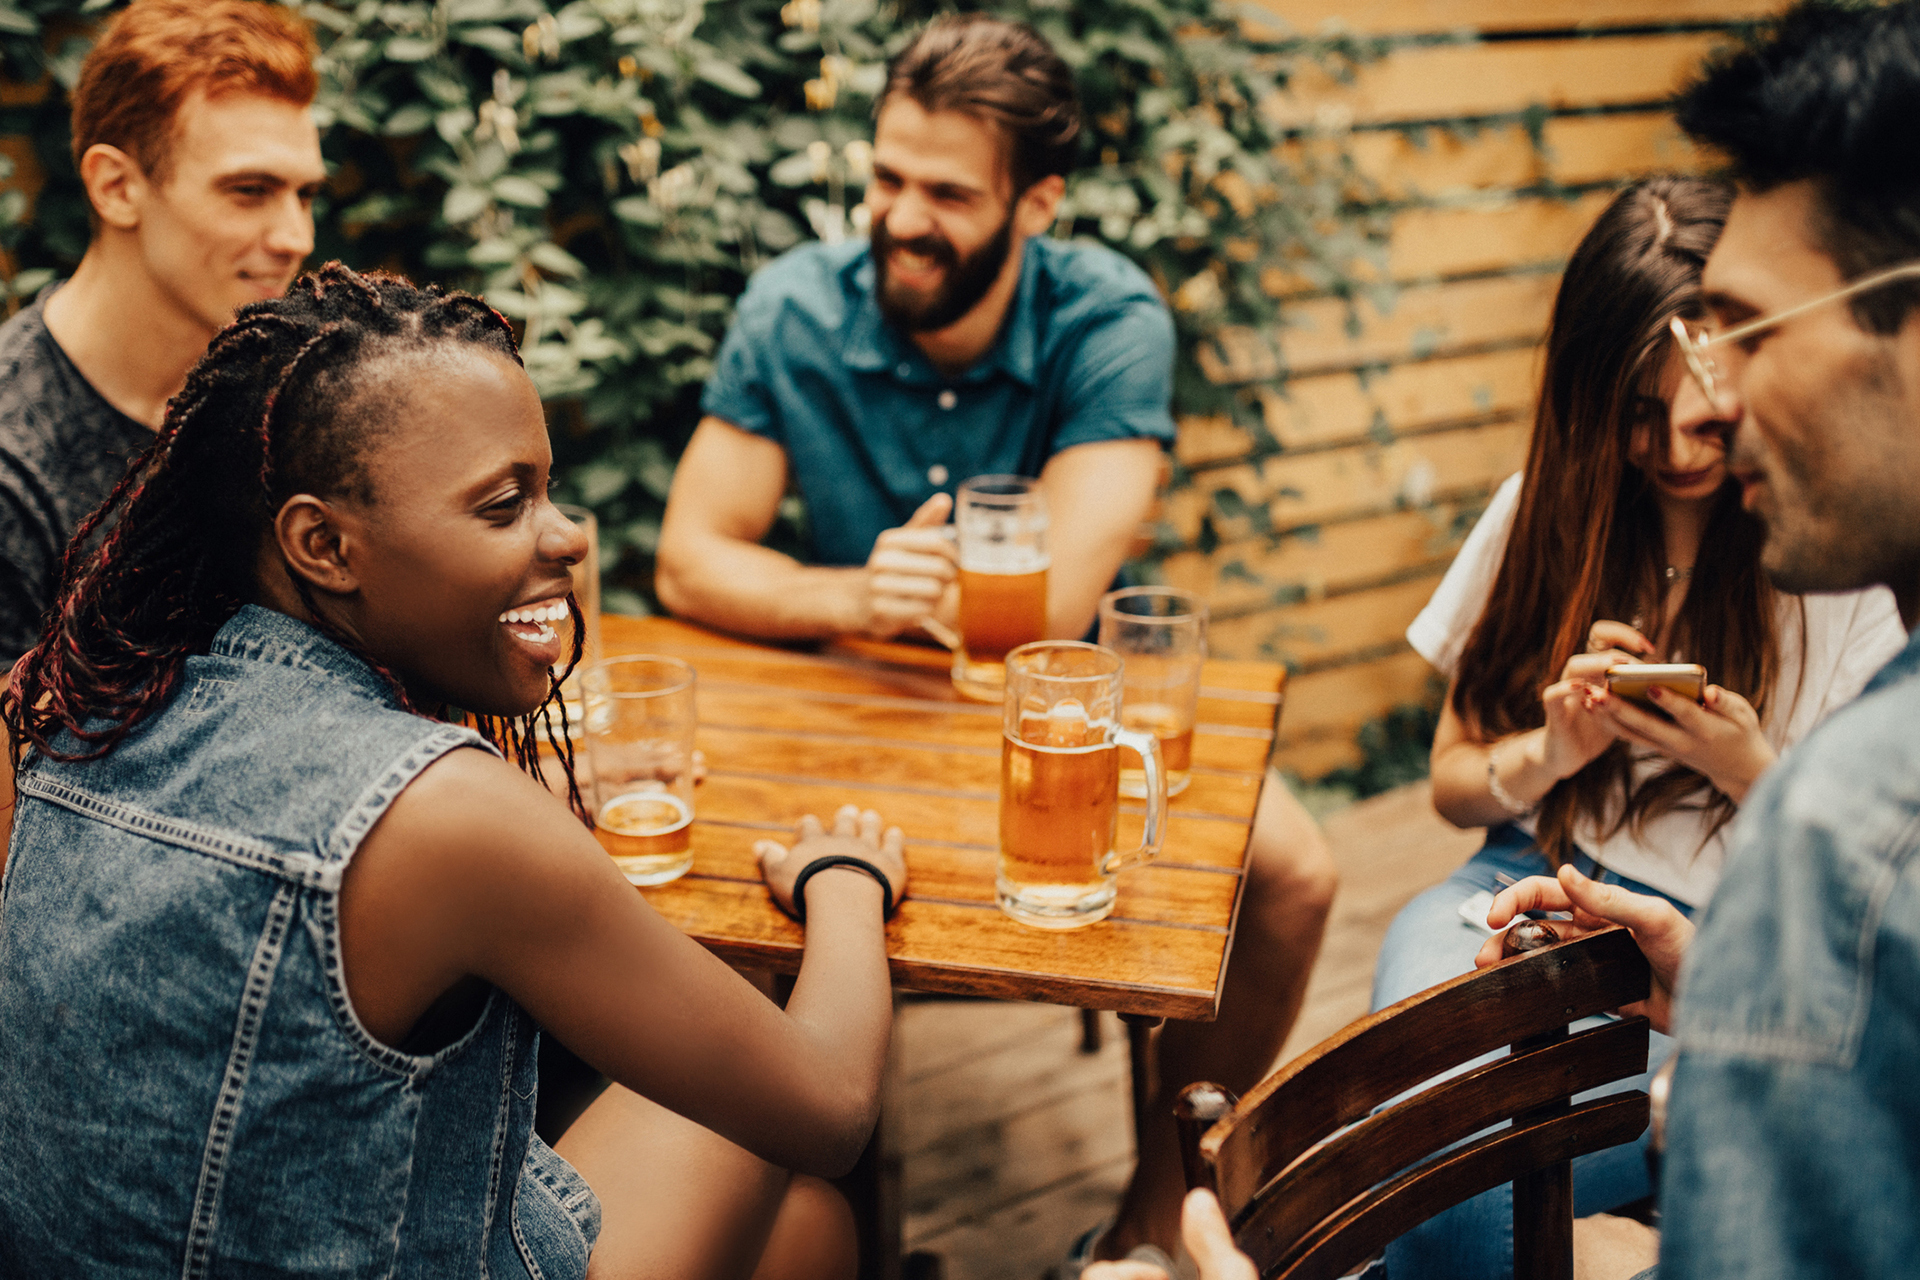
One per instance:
(1501, 796)
(818, 865)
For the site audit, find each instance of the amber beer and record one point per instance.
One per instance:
(1060, 785)
(640, 721)
(1161, 633)
(648, 834)
(999, 612)
(1059, 805)
(1000, 523)
(1176, 747)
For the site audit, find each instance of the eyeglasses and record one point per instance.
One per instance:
(1693, 342)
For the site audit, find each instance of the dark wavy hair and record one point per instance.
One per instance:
(274, 408)
(1587, 541)
(1830, 93)
(1002, 72)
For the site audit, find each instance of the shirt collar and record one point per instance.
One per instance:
(871, 345)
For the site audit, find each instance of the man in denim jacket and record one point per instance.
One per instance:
(1793, 1143)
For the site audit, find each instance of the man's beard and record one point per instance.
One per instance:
(964, 281)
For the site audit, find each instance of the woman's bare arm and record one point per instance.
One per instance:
(476, 870)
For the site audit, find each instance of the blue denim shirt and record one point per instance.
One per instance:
(185, 1089)
(1793, 1144)
(872, 429)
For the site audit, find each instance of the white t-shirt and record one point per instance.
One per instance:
(1849, 636)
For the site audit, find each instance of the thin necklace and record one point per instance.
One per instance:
(1674, 573)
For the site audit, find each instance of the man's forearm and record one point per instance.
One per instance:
(753, 590)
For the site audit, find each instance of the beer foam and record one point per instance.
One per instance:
(1004, 558)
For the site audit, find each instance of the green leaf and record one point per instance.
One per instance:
(411, 49)
(415, 117)
(463, 204)
(551, 257)
(496, 40)
(514, 189)
(11, 19)
(724, 75)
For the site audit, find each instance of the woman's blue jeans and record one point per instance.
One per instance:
(1428, 943)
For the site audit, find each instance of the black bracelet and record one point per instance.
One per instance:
(837, 860)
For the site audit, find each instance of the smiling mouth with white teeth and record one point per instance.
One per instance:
(530, 622)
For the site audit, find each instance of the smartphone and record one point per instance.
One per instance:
(1632, 680)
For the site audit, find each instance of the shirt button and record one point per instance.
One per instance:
(936, 474)
(903, 369)
(948, 399)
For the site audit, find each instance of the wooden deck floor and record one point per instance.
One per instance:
(1014, 1142)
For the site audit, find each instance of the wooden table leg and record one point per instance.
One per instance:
(1140, 1028)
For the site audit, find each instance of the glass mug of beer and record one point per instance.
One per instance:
(1001, 526)
(1161, 634)
(640, 724)
(1060, 785)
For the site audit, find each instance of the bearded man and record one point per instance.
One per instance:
(959, 341)
(875, 376)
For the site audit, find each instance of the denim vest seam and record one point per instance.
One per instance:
(302, 869)
(371, 803)
(412, 1067)
(519, 1237)
(496, 1156)
(213, 1163)
(205, 691)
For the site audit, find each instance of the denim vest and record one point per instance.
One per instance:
(185, 1089)
(1793, 1137)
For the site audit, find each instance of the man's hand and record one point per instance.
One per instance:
(1203, 1228)
(1661, 932)
(908, 571)
(855, 833)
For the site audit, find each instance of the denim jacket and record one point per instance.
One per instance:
(185, 1088)
(1794, 1131)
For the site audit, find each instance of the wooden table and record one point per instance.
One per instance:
(788, 732)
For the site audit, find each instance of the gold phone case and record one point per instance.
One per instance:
(1633, 679)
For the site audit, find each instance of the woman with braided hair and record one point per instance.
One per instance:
(273, 945)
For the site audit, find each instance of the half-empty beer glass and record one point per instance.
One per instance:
(1001, 522)
(640, 724)
(1161, 634)
(1059, 785)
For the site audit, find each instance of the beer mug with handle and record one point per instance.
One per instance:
(1060, 785)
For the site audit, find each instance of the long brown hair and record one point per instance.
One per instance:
(1587, 538)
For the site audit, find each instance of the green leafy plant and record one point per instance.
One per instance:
(609, 172)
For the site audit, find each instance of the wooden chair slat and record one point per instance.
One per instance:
(1335, 1173)
(1391, 1211)
(1347, 1076)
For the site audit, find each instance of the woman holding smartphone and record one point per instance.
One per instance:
(1623, 541)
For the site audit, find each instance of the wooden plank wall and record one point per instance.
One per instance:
(1494, 131)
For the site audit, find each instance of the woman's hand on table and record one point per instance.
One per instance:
(1662, 933)
(856, 834)
(1719, 737)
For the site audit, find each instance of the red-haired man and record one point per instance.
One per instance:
(192, 134)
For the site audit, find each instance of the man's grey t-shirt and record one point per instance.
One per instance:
(62, 449)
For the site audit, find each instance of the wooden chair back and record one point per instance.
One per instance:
(1315, 1175)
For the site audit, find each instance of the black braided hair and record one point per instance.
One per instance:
(272, 409)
